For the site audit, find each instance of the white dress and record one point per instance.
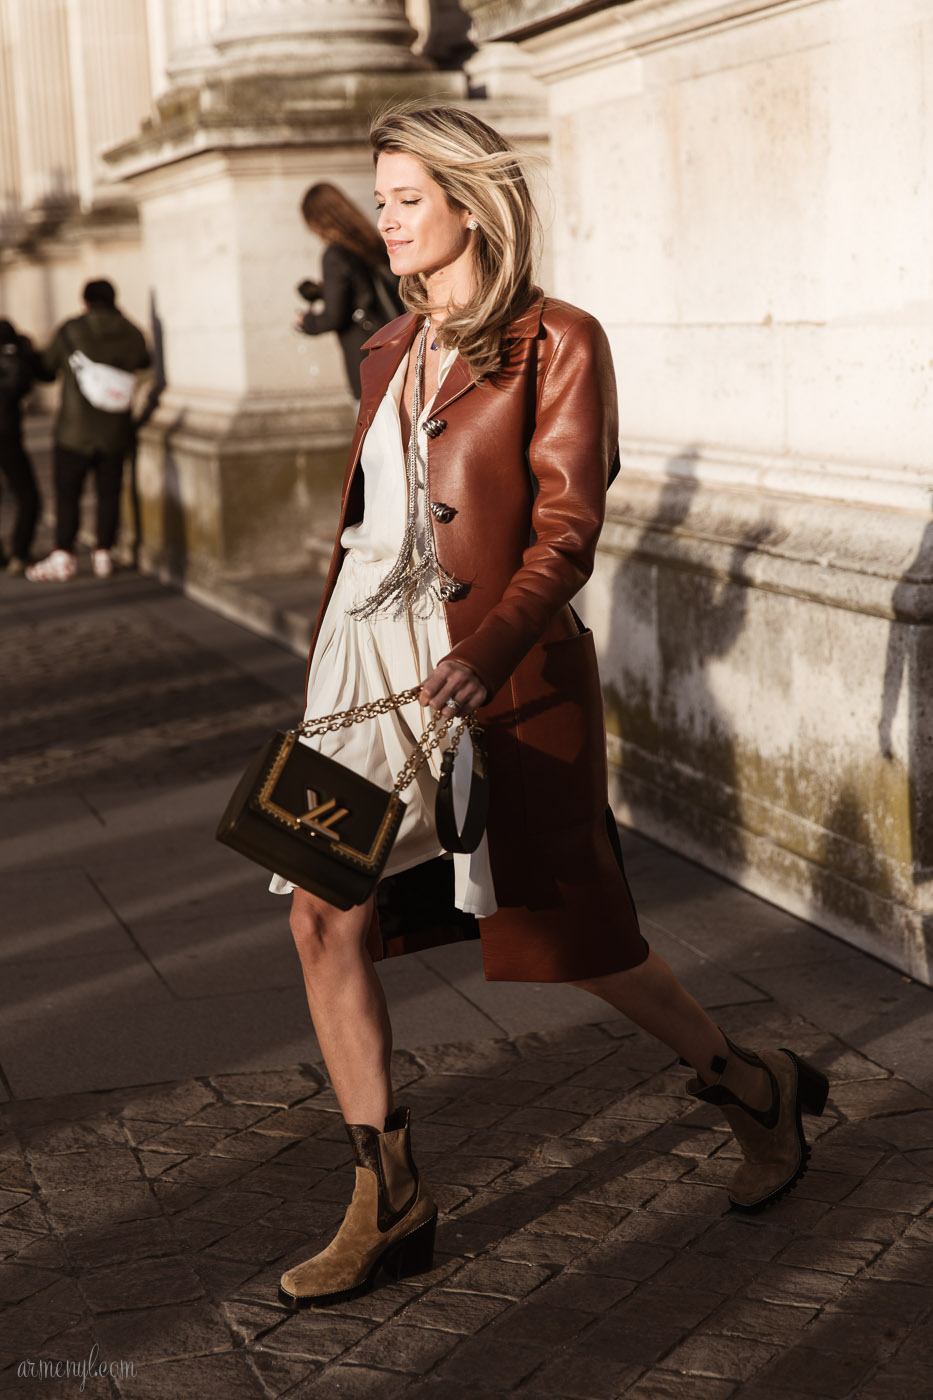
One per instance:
(360, 659)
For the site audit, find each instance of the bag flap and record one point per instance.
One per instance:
(334, 808)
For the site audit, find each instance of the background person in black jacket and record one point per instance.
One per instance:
(20, 367)
(357, 288)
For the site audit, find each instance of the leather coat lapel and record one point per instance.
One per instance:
(458, 381)
(385, 355)
(387, 347)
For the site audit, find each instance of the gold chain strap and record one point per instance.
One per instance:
(344, 718)
(434, 731)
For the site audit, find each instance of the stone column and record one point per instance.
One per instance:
(189, 27)
(499, 68)
(74, 79)
(159, 44)
(109, 68)
(353, 36)
(10, 177)
(42, 106)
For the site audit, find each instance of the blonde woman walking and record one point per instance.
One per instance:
(473, 501)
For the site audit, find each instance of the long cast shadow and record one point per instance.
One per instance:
(674, 618)
(909, 666)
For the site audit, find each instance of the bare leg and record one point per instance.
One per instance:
(347, 1005)
(391, 1218)
(651, 996)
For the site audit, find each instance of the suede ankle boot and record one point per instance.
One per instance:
(772, 1138)
(389, 1223)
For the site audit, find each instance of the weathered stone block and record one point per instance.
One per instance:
(229, 492)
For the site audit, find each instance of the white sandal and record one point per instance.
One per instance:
(57, 567)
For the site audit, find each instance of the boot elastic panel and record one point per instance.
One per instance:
(722, 1097)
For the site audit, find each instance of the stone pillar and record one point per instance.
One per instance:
(74, 79)
(341, 36)
(188, 27)
(159, 44)
(502, 72)
(43, 118)
(10, 176)
(239, 470)
(109, 69)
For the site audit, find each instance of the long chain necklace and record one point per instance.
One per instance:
(402, 585)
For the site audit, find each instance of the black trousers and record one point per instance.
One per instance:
(71, 470)
(19, 476)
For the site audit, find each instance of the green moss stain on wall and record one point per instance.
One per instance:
(723, 727)
(262, 502)
(630, 714)
(859, 825)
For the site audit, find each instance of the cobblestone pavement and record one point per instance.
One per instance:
(586, 1248)
(160, 709)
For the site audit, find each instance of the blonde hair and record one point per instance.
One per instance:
(478, 170)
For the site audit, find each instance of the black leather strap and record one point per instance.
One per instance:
(474, 823)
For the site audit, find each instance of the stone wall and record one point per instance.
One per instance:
(744, 197)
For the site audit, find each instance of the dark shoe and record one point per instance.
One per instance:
(772, 1139)
(389, 1224)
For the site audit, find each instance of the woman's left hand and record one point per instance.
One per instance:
(451, 680)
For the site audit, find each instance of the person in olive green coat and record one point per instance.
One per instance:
(88, 438)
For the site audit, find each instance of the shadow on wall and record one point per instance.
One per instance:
(909, 663)
(904, 799)
(677, 610)
(174, 526)
(169, 531)
(148, 408)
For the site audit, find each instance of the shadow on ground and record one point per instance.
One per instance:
(586, 1249)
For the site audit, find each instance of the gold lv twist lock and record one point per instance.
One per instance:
(322, 817)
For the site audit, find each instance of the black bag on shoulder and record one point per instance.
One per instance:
(384, 304)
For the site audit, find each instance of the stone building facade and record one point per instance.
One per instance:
(741, 191)
(745, 199)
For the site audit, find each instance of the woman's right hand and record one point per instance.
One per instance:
(451, 680)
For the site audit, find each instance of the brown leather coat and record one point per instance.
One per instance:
(522, 463)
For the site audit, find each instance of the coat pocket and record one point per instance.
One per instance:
(560, 734)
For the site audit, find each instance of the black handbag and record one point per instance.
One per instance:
(327, 829)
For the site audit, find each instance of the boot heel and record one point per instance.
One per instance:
(812, 1086)
(414, 1254)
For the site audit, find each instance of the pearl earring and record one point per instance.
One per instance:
(472, 225)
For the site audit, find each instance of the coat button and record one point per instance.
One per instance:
(444, 514)
(435, 426)
(453, 592)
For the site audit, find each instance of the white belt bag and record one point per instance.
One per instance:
(102, 385)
